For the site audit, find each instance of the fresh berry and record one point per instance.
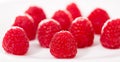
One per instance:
(74, 10)
(82, 30)
(37, 13)
(110, 35)
(27, 24)
(15, 41)
(47, 28)
(63, 45)
(98, 17)
(64, 18)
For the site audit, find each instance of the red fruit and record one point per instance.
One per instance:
(15, 41)
(27, 24)
(63, 45)
(37, 13)
(64, 18)
(110, 35)
(74, 10)
(98, 17)
(82, 30)
(47, 28)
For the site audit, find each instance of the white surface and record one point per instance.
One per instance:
(10, 9)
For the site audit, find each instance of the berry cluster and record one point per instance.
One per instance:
(66, 31)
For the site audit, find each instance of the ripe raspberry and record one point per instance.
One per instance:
(37, 13)
(15, 41)
(64, 18)
(83, 32)
(47, 28)
(110, 35)
(63, 45)
(98, 17)
(27, 24)
(74, 10)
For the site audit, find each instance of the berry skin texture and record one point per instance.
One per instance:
(47, 28)
(81, 28)
(64, 18)
(37, 13)
(27, 24)
(74, 10)
(15, 41)
(63, 45)
(110, 35)
(98, 17)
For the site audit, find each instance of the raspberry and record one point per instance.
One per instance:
(15, 41)
(98, 17)
(74, 10)
(64, 18)
(27, 24)
(110, 35)
(47, 28)
(83, 32)
(63, 45)
(37, 13)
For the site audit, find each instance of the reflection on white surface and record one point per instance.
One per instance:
(10, 9)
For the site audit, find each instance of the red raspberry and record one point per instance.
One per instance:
(47, 28)
(27, 24)
(74, 10)
(15, 41)
(98, 17)
(64, 18)
(63, 45)
(110, 35)
(37, 13)
(83, 32)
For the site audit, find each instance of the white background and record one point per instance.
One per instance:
(9, 9)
